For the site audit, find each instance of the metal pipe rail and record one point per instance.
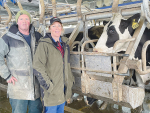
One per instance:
(102, 14)
(9, 13)
(115, 6)
(121, 41)
(118, 91)
(76, 42)
(97, 71)
(60, 10)
(115, 50)
(96, 53)
(144, 71)
(79, 13)
(64, 10)
(132, 45)
(147, 43)
(89, 82)
(146, 10)
(2, 28)
(19, 5)
(54, 13)
(99, 53)
(42, 11)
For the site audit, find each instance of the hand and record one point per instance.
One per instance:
(13, 79)
(69, 101)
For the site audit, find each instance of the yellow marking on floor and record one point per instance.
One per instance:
(71, 110)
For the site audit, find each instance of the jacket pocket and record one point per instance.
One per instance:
(22, 72)
(23, 79)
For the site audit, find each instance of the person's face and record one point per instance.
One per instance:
(23, 23)
(56, 29)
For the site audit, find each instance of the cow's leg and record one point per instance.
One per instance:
(128, 79)
(103, 105)
(134, 79)
(126, 109)
(77, 97)
(146, 77)
(89, 101)
(99, 103)
(139, 80)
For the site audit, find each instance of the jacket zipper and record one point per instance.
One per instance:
(63, 62)
(32, 60)
(62, 57)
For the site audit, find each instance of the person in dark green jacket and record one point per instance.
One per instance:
(52, 67)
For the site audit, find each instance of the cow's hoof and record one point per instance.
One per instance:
(103, 106)
(80, 97)
(139, 109)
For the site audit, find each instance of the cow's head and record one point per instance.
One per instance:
(116, 29)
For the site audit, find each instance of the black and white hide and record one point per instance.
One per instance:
(117, 29)
(93, 33)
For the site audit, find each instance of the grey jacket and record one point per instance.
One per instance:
(19, 58)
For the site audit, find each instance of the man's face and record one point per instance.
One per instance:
(23, 23)
(56, 29)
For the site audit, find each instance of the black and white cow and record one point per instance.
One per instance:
(117, 29)
(93, 33)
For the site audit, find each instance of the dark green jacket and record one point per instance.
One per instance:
(53, 71)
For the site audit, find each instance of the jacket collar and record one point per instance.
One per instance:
(13, 32)
(48, 35)
(14, 29)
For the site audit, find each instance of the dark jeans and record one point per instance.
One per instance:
(20, 106)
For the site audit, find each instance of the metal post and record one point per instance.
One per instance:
(54, 13)
(9, 13)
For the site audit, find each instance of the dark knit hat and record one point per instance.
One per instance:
(22, 12)
(54, 19)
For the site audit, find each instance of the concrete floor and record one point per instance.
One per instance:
(5, 106)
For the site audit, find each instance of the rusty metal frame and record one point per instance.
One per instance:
(133, 44)
(144, 71)
(19, 5)
(75, 32)
(147, 43)
(9, 13)
(94, 53)
(119, 90)
(74, 43)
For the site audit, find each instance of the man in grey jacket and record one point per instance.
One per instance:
(18, 47)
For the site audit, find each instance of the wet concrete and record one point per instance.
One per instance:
(5, 106)
(111, 108)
